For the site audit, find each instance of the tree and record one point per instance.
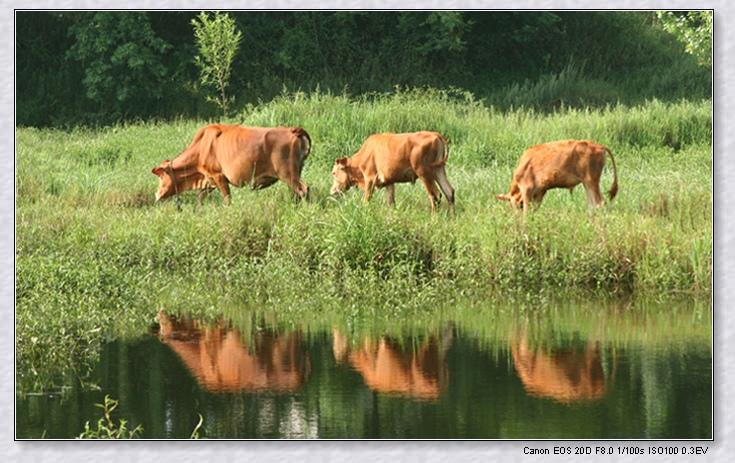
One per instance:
(447, 30)
(217, 41)
(122, 60)
(694, 29)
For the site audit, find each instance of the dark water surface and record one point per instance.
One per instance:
(454, 382)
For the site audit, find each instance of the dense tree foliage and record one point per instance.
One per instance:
(121, 57)
(99, 67)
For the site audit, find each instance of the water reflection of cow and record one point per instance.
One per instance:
(395, 370)
(222, 361)
(566, 376)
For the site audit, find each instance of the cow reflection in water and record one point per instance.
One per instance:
(223, 362)
(396, 370)
(567, 376)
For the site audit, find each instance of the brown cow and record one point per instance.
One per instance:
(388, 368)
(560, 164)
(221, 155)
(223, 361)
(567, 376)
(388, 158)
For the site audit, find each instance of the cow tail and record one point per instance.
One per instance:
(301, 133)
(614, 187)
(446, 152)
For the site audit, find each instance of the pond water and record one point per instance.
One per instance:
(454, 381)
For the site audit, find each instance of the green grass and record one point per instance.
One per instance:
(96, 258)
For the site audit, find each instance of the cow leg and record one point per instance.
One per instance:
(591, 182)
(264, 182)
(532, 198)
(304, 190)
(203, 194)
(441, 177)
(513, 202)
(594, 197)
(291, 176)
(525, 198)
(391, 191)
(369, 187)
(590, 199)
(224, 187)
(432, 190)
(538, 198)
(300, 188)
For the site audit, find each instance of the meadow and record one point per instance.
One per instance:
(96, 257)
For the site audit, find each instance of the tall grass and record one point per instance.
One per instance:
(96, 256)
(578, 85)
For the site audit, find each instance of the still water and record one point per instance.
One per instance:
(454, 381)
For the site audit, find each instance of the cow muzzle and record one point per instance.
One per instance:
(337, 190)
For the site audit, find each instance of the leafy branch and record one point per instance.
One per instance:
(694, 29)
(217, 40)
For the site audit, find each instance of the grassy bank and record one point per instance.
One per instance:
(96, 257)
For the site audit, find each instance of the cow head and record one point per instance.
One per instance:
(514, 200)
(341, 175)
(169, 184)
(515, 196)
(166, 174)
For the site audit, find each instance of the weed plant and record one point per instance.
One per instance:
(106, 427)
(96, 257)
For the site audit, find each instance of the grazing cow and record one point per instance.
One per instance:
(224, 361)
(567, 376)
(221, 155)
(560, 164)
(388, 158)
(388, 368)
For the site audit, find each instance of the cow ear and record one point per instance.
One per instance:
(159, 170)
(503, 197)
(342, 161)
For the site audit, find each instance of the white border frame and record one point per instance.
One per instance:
(721, 448)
